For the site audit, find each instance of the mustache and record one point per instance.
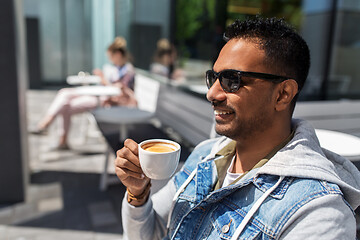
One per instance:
(221, 104)
(218, 104)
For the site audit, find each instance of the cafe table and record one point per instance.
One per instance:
(83, 80)
(98, 90)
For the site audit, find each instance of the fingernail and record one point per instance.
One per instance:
(142, 176)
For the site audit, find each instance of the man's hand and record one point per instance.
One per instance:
(128, 170)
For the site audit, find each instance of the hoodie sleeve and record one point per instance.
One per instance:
(149, 220)
(327, 217)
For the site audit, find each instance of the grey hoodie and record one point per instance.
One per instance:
(302, 157)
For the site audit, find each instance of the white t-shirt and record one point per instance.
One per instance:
(230, 177)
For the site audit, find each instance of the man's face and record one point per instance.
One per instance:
(250, 110)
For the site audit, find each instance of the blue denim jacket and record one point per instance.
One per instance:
(200, 213)
(313, 200)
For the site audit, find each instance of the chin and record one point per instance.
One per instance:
(224, 131)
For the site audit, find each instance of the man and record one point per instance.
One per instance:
(267, 177)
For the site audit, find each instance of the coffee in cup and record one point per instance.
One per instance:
(159, 147)
(159, 158)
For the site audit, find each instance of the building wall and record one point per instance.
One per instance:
(344, 75)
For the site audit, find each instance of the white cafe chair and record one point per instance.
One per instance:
(343, 144)
(146, 92)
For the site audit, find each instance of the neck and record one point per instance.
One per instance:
(252, 149)
(121, 64)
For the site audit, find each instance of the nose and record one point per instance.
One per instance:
(216, 93)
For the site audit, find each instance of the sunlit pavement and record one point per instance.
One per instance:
(63, 199)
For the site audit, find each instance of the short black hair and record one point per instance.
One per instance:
(286, 51)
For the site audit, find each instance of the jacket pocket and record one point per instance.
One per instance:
(225, 221)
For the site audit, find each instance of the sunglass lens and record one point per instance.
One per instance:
(210, 78)
(230, 81)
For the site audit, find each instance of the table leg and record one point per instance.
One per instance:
(123, 132)
(104, 175)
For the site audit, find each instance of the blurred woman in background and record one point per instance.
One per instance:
(67, 102)
(164, 63)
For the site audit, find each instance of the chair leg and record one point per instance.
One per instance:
(104, 175)
(84, 128)
(87, 130)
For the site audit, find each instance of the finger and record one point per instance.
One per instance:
(124, 174)
(132, 145)
(127, 154)
(126, 164)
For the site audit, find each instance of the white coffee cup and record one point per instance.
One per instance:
(159, 158)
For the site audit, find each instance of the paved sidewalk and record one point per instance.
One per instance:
(22, 233)
(63, 199)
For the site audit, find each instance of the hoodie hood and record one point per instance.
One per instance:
(303, 157)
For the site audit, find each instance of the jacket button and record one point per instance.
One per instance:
(225, 228)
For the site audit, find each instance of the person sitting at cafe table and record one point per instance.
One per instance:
(165, 61)
(67, 102)
(267, 177)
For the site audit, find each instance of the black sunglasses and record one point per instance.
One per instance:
(230, 80)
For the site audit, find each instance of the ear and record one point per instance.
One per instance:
(286, 91)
